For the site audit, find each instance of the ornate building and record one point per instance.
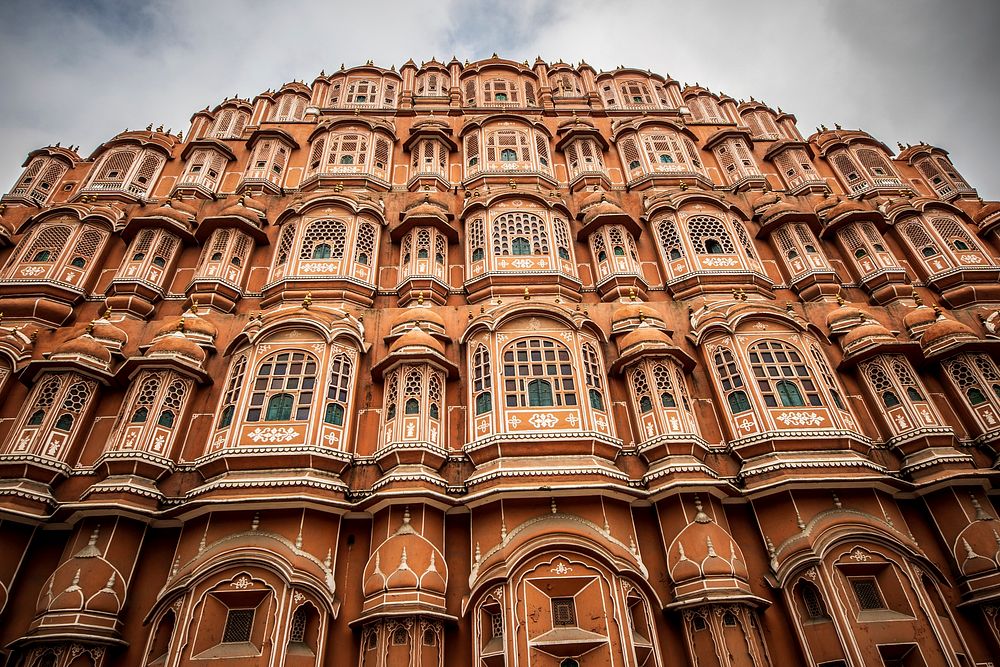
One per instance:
(498, 364)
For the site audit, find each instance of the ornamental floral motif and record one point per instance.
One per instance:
(543, 420)
(719, 261)
(800, 419)
(320, 267)
(273, 434)
(242, 582)
(859, 555)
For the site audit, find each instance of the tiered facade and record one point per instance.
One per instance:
(503, 365)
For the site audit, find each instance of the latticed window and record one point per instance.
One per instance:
(520, 234)
(225, 256)
(268, 161)
(709, 236)
(956, 236)
(813, 603)
(338, 391)
(297, 631)
(39, 180)
(204, 168)
(538, 372)
(851, 173)
(976, 377)
(496, 625)
(148, 256)
(56, 251)
(867, 593)
(239, 626)
(508, 146)
(592, 373)
(54, 408)
(288, 107)
(866, 247)
(731, 380)
(635, 92)
(283, 388)
(563, 612)
(670, 240)
(828, 378)
(232, 394)
(799, 248)
(894, 384)
(482, 381)
(127, 169)
(229, 124)
(364, 244)
(477, 240)
(782, 376)
(429, 157)
(284, 245)
(584, 156)
(875, 163)
(324, 239)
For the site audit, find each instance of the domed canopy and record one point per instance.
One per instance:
(844, 318)
(406, 572)
(415, 345)
(177, 344)
(917, 320)
(109, 335)
(83, 346)
(424, 317)
(946, 335)
(193, 326)
(632, 315)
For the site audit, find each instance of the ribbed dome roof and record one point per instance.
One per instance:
(177, 344)
(644, 334)
(83, 346)
(869, 330)
(944, 327)
(919, 319)
(405, 561)
(416, 338)
(173, 209)
(105, 331)
(190, 322)
(635, 311)
(417, 316)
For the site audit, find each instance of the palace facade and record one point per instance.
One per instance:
(498, 364)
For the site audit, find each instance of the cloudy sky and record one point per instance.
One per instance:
(78, 71)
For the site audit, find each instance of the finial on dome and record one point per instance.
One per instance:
(917, 299)
(938, 315)
(420, 298)
(255, 522)
(527, 294)
(307, 300)
(837, 125)
(631, 294)
(700, 516)
(555, 510)
(840, 300)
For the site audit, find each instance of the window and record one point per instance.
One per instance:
(813, 603)
(782, 375)
(239, 625)
(710, 236)
(285, 384)
(481, 380)
(867, 593)
(338, 390)
(496, 625)
(593, 372)
(297, 633)
(538, 372)
(731, 380)
(517, 228)
(233, 388)
(563, 612)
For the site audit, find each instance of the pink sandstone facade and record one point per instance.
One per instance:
(498, 365)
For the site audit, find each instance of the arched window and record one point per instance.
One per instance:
(782, 375)
(338, 390)
(670, 240)
(813, 603)
(977, 379)
(731, 380)
(709, 235)
(233, 387)
(508, 155)
(592, 372)
(520, 246)
(284, 387)
(527, 230)
(538, 371)
(482, 381)
(324, 239)
(893, 382)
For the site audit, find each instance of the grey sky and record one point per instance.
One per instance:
(905, 70)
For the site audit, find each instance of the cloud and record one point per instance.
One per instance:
(904, 70)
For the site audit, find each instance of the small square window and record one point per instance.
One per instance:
(239, 624)
(867, 592)
(563, 612)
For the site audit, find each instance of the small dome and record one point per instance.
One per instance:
(869, 331)
(177, 344)
(644, 335)
(764, 200)
(986, 212)
(944, 328)
(635, 311)
(83, 346)
(417, 316)
(705, 550)
(241, 209)
(106, 332)
(416, 338)
(173, 209)
(918, 319)
(843, 317)
(190, 323)
(845, 207)
(405, 562)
